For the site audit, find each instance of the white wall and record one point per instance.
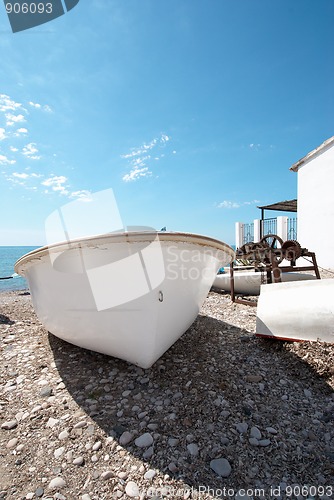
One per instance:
(316, 207)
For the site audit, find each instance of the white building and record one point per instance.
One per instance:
(316, 202)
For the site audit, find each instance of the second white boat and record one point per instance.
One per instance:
(249, 282)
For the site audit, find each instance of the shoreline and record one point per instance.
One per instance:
(221, 409)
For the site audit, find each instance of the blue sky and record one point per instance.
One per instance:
(192, 111)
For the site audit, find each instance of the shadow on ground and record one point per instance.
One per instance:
(197, 392)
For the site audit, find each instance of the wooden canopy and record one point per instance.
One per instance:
(280, 206)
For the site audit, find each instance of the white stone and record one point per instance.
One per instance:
(52, 422)
(78, 461)
(63, 435)
(132, 489)
(59, 451)
(97, 446)
(149, 474)
(12, 443)
(57, 483)
(10, 424)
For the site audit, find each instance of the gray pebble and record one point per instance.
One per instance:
(242, 427)
(264, 442)
(255, 433)
(253, 378)
(144, 440)
(45, 392)
(173, 442)
(253, 441)
(148, 453)
(192, 449)
(106, 475)
(39, 492)
(221, 467)
(125, 438)
(271, 430)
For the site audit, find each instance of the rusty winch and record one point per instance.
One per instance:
(271, 247)
(265, 257)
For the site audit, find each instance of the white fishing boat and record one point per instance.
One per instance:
(249, 282)
(297, 311)
(130, 295)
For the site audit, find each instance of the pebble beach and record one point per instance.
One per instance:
(223, 414)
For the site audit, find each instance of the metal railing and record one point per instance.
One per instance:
(292, 228)
(248, 233)
(269, 226)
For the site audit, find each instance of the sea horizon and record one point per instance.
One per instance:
(9, 254)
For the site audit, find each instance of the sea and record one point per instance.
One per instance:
(8, 257)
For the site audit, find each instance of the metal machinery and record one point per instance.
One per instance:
(265, 257)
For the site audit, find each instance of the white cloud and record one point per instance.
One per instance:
(164, 138)
(235, 204)
(6, 161)
(12, 148)
(20, 175)
(82, 195)
(20, 131)
(2, 134)
(137, 173)
(139, 157)
(7, 104)
(30, 150)
(34, 104)
(12, 119)
(228, 204)
(57, 183)
(253, 202)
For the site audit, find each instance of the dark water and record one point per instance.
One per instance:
(8, 257)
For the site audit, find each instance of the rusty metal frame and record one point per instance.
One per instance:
(272, 269)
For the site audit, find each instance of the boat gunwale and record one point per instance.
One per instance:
(123, 237)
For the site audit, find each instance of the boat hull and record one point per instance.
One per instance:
(297, 311)
(249, 282)
(128, 295)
